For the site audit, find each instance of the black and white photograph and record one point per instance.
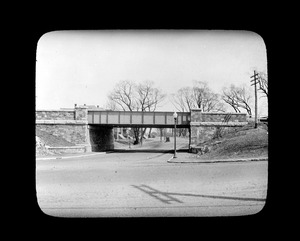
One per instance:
(151, 123)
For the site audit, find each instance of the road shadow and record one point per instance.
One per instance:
(145, 150)
(161, 196)
(168, 197)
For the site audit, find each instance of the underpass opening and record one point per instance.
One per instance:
(123, 138)
(101, 138)
(201, 126)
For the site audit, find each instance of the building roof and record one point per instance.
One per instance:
(91, 106)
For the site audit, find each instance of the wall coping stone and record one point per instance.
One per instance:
(218, 113)
(67, 147)
(230, 123)
(62, 122)
(69, 110)
(222, 113)
(63, 109)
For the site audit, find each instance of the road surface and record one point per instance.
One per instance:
(143, 184)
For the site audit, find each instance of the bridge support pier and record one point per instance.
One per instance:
(101, 138)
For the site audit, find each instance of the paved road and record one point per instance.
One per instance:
(144, 184)
(155, 143)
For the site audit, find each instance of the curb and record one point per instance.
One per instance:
(66, 157)
(220, 160)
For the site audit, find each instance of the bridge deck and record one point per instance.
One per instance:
(137, 118)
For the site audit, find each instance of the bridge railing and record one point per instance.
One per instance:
(137, 118)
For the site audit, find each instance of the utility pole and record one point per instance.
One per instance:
(255, 93)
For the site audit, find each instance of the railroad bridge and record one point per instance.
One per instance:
(92, 129)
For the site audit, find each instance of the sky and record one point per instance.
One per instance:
(82, 67)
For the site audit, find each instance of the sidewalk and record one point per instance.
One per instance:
(182, 157)
(191, 158)
(66, 156)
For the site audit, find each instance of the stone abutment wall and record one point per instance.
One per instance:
(208, 125)
(72, 125)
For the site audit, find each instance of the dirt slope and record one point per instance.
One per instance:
(51, 140)
(246, 142)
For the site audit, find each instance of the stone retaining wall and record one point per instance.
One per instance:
(198, 116)
(67, 149)
(55, 115)
(75, 134)
(72, 125)
(209, 125)
(79, 113)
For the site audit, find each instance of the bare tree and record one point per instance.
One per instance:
(143, 90)
(123, 95)
(199, 96)
(136, 97)
(229, 98)
(148, 97)
(263, 83)
(111, 105)
(182, 100)
(212, 102)
(237, 97)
